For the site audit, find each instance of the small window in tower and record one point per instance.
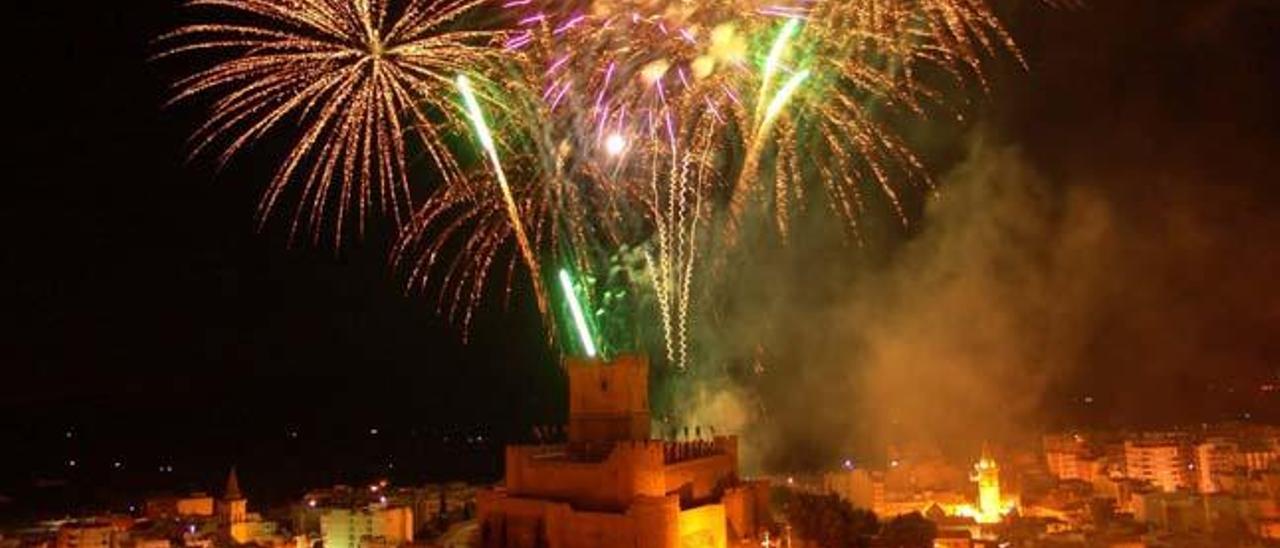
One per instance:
(604, 385)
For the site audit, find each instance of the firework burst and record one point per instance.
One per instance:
(693, 112)
(653, 125)
(354, 78)
(519, 209)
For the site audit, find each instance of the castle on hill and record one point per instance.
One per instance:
(611, 484)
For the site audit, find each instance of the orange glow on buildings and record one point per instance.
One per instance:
(1163, 460)
(991, 506)
(610, 484)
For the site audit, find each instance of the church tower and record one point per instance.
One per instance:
(987, 473)
(233, 508)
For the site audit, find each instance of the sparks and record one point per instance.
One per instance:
(513, 212)
(358, 79)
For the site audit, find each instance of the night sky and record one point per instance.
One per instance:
(154, 320)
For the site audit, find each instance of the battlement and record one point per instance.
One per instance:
(630, 469)
(681, 451)
(696, 470)
(597, 452)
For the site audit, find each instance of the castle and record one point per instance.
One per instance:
(610, 484)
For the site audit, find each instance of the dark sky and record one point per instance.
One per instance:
(138, 270)
(139, 287)
(1167, 111)
(149, 313)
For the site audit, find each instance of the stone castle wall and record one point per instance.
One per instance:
(651, 522)
(632, 469)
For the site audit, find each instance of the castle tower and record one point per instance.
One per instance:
(608, 401)
(611, 485)
(987, 473)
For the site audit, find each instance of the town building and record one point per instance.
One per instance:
(1161, 460)
(1258, 455)
(926, 485)
(433, 506)
(90, 534)
(366, 526)
(861, 487)
(1071, 457)
(196, 505)
(1216, 459)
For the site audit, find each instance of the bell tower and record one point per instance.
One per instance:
(987, 474)
(608, 400)
(232, 509)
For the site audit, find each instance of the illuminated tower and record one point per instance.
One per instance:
(987, 473)
(232, 509)
(610, 484)
(608, 401)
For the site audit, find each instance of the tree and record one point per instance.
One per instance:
(1102, 511)
(830, 521)
(909, 531)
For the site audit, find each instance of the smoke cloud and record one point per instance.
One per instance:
(1114, 266)
(952, 337)
(1017, 304)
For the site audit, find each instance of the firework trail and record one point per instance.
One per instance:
(355, 77)
(476, 115)
(579, 317)
(521, 204)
